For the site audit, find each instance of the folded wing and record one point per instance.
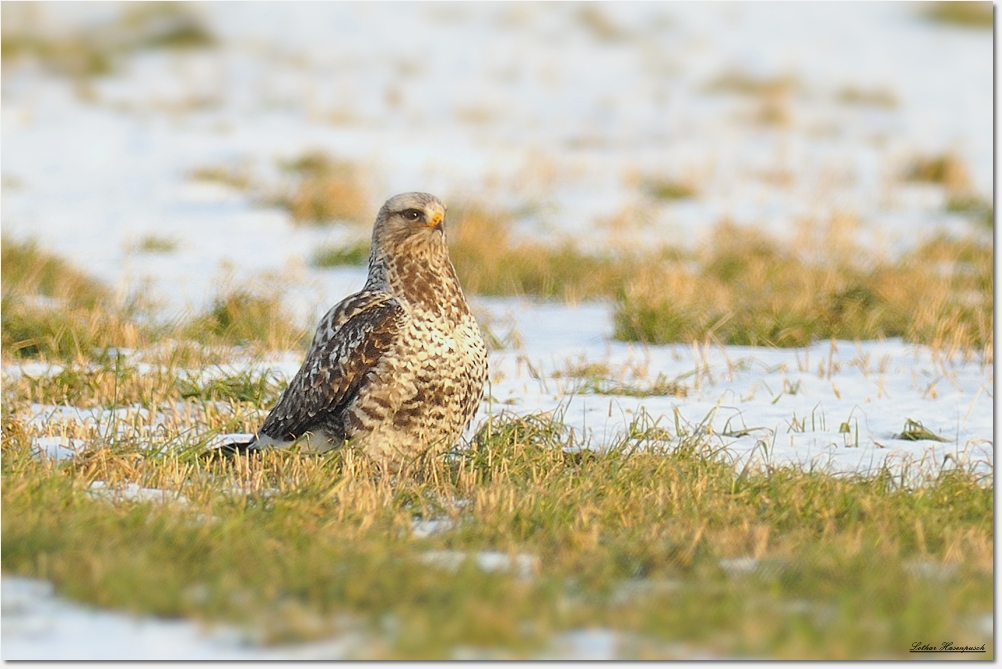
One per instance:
(349, 342)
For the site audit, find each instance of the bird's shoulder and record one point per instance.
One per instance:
(356, 316)
(352, 338)
(350, 341)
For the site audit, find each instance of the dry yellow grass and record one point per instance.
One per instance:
(968, 14)
(748, 289)
(946, 169)
(489, 261)
(745, 83)
(874, 97)
(243, 316)
(234, 177)
(52, 309)
(654, 536)
(54, 312)
(324, 189)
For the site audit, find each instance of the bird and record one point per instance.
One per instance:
(397, 369)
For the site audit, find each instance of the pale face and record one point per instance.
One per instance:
(409, 214)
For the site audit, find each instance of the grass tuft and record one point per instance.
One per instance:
(72, 56)
(915, 431)
(746, 289)
(26, 270)
(99, 49)
(165, 25)
(324, 189)
(51, 310)
(600, 25)
(157, 244)
(961, 13)
(947, 170)
(662, 386)
(669, 189)
(257, 387)
(488, 261)
(981, 211)
(598, 379)
(54, 312)
(336, 256)
(241, 316)
(870, 97)
(237, 178)
(741, 82)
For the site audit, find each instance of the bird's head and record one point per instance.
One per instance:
(409, 256)
(412, 218)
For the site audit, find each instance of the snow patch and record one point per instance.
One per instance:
(57, 448)
(133, 492)
(520, 564)
(40, 626)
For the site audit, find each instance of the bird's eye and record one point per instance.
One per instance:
(411, 214)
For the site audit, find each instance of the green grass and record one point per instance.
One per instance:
(345, 254)
(258, 388)
(640, 538)
(52, 311)
(744, 287)
(740, 287)
(76, 56)
(915, 431)
(165, 25)
(242, 316)
(599, 379)
(27, 270)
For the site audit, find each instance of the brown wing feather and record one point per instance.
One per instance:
(349, 342)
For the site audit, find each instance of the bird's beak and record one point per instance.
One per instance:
(436, 220)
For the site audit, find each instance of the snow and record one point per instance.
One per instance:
(529, 107)
(40, 626)
(791, 403)
(134, 492)
(223, 440)
(57, 447)
(833, 406)
(521, 564)
(421, 528)
(569, 122)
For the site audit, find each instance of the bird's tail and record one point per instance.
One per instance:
(234, 444)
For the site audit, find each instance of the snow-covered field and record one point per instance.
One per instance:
(768, 406)
(516, 105)
(556, 110)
